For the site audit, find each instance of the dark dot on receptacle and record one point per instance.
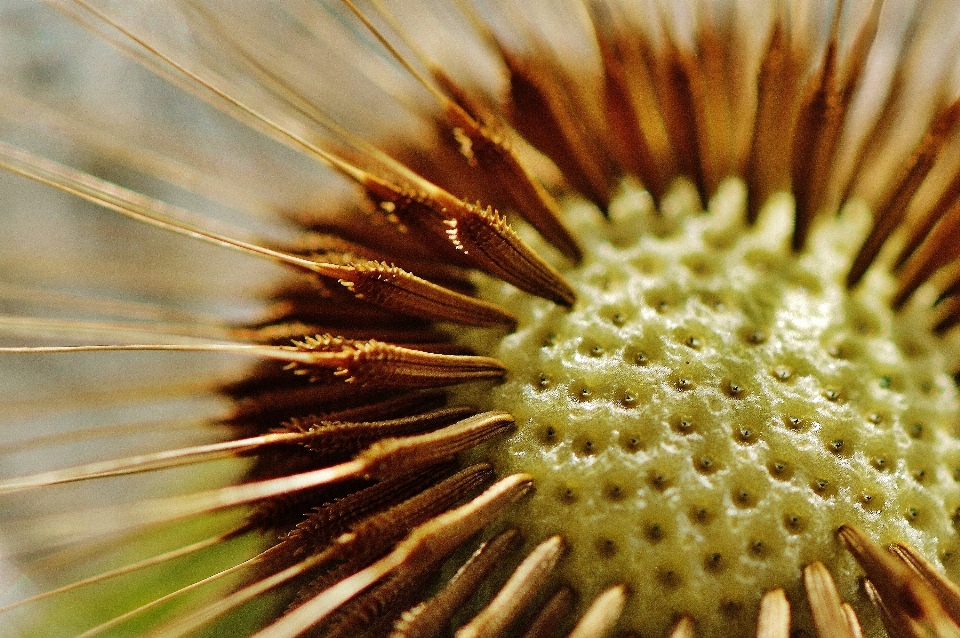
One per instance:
(782, 373)
(834, 395)
(567, 495)
(701, 515)
(714, 562)
(658, 480)
(654, 532)
(794, 522)
(734, 389)
(742, 497)
(631, 443)
(794, 422)
(606, 547)
(836, 446)
(683, 425)
(821, 487)
(779, 470)
(614, 492)
(668, 578)
(705, 464)
(549, 434)
(871, 502)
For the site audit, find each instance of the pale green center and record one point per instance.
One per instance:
(714, 407)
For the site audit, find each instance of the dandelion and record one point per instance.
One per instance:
(586, 319)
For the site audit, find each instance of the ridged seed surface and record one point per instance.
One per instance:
(714, 407)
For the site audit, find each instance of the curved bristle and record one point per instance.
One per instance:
(685, 628)
(908, 600)
(947, 592)
(437, 537)
(604, 612)
(517, 593)
(431, 617)
(825, 604)
(773, 621)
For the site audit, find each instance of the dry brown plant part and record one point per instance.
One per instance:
(823, 110)
(908, 604)
(889, 214)
(773, 621)
(778, 82)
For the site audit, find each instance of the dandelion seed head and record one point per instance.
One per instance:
(617, 316)
(793, 387)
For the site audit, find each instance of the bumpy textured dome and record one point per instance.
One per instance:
(714, 408)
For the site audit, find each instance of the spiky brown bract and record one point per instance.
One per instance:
(353, 477)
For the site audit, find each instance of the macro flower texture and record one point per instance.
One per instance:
(476, 318)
